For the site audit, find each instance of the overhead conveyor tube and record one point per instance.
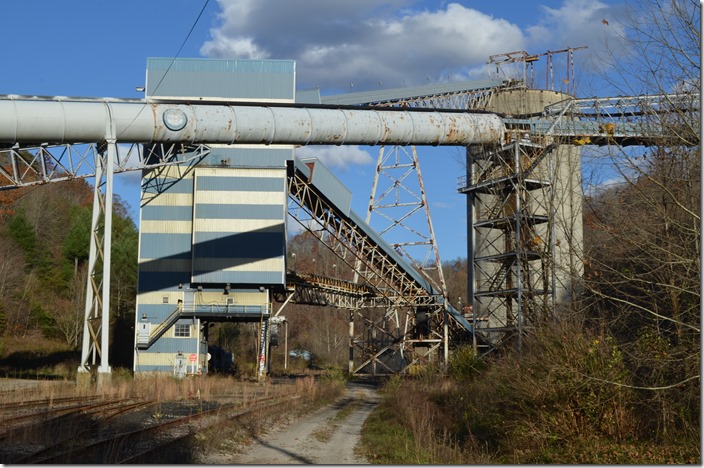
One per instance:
(56, 121)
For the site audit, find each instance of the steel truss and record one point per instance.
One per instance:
(470, 99)
(406, 331)
(323, 291)
(36, 165)
(671, 119)
(403, 212)
(400, 203)
(28, 166)
(512, 247)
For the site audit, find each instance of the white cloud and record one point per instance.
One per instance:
(336, 157)
(240, 47)
(381, 44)
(577, 23)
(363, 42)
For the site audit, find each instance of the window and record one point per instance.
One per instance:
(182, 330)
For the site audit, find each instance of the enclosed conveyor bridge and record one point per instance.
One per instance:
(417, 314)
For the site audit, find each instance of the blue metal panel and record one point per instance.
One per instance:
(236, 184)
(249, 157)
(245, 245)
(223, 211)
(167, 213)
(152, 281)
(240, 277)
(168, 184)
(153, 368)
(174, 246)
(156, 313)
(174, 345)
(212, 78)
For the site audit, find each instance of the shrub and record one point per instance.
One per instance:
(465, 363)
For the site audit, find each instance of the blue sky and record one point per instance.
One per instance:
(99, 49)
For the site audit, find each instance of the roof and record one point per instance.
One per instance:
(396, 94)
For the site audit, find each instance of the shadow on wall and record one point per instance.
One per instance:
(216, 255)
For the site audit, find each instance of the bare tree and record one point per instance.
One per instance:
(11, 267)
(642, 233)
(68, 313)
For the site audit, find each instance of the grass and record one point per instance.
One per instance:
(230, 438)
(565, 400)
(225, 436)
(387, 441)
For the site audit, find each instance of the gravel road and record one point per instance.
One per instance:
(328, 436)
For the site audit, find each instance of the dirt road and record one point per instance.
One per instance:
(327, 436)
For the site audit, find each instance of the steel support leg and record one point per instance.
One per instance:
(96, 325)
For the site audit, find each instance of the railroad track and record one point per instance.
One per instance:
(151, 452)
(53, 413)
(44, 402)
(65, 437)
(94, 433)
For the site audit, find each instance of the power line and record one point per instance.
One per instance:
(182, 45)
(173, 60)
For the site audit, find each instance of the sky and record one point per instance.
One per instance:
(98, 48)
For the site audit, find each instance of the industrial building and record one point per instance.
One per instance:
(212, 241)
(215, 144)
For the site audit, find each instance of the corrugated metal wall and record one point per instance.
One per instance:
(165, 227)
(239, 226)
(257, 80)
(224, 222)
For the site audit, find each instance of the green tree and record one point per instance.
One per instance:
(77, 241)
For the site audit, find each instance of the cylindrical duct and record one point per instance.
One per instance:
(56, 121)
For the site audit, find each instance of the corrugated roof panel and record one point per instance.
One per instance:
(329, 185)
(308, 96)
(383, 95)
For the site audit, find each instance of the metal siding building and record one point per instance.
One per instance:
(219, 224)
(239, 226)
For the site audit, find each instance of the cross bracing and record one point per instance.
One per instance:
(628, 120)
(22, 166)
(415, 321)
(577, 122)
(325, 291)
(511, 260)
(460, 95)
